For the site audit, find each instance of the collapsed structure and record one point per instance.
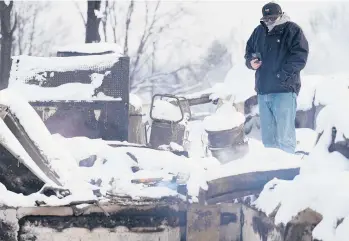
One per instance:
(74, 184)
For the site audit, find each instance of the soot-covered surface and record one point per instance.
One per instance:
(15, 176)
(130, 218)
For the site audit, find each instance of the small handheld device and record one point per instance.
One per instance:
(257, 57)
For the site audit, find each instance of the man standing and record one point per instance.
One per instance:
(278, 51)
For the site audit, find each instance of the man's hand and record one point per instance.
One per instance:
(255, 63)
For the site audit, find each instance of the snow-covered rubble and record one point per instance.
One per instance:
(257, 159)
(164, 110)
(113, 167)
(84, 164)
(322, 182)
(9, 141)
(136, 102)
(27, 67)
(225, 118)
(60, 160)
(65, 92)
(308, 91)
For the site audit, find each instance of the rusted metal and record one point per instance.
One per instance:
(203, 223)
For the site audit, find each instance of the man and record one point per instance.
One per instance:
(277, 50)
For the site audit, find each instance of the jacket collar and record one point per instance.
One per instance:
(278, 29)
(278, 26)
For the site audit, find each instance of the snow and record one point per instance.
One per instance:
(59, 160)
(65, 92)
(91, 48)
(239, 83)
(225, 118)
(333, 90)
(334, 115)
(136, 102)
(321, 185)
(10, 142)
(113, 167)
(198, 93)
(164, 110)
(306, 139)
(11, 199)
(308, 91)
(28, 67)
(99, 14)
(257, 159)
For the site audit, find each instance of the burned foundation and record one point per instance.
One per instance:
(161, 221)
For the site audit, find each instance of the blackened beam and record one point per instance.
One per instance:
(21, 135)
(199, 100)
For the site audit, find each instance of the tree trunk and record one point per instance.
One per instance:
(92, 25)
(6, 43)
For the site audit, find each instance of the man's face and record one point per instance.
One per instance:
(269, 20)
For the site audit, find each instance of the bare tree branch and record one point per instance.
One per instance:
(146, 34)
(156, 76)
(81, 13)
(128, 22)
(28, 37)
(104, 20)
(113, 19)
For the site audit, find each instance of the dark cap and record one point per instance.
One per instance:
(271, 10)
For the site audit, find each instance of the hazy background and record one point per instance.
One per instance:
(192, 44)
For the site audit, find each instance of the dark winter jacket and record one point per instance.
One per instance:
(283, 52)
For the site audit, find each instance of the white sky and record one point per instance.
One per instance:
(214, 18)
(209, 20)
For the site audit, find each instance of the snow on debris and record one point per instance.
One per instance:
(258, 158)
(10, 142)
(306, 139)
(225, 118)
(136, 102)
(27, 67)
(308, 91)
(59, 160)
(113, 166)
(12, 199)
(164, 110)
(321, 185)
(65, 92)
(91, 48)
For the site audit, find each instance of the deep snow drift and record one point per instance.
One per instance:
(322, 182)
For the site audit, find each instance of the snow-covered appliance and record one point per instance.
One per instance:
(170, 115)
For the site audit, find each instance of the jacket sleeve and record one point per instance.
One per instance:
(298, 55)
(249, 50)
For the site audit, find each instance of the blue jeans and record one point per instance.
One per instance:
(277, 116)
